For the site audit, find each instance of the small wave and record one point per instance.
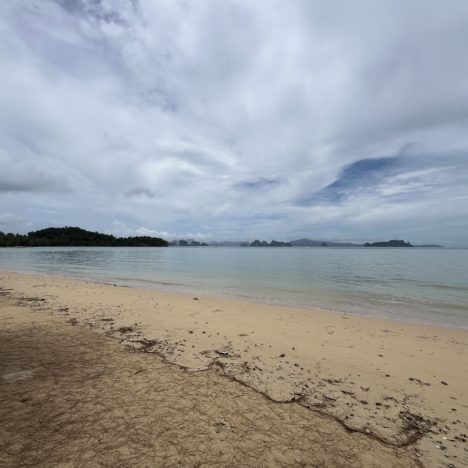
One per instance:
(148, 281)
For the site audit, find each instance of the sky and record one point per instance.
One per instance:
(236, 120)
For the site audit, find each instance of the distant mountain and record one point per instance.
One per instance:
(76, 237)
(391, 243)
(189, 243)
(321, 243)
(273, 243)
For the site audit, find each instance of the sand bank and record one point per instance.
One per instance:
(403, 385)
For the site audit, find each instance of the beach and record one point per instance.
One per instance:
(212, 380)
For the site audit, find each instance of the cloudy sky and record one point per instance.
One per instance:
(236, 119)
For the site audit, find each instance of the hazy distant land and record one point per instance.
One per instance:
(78, 237)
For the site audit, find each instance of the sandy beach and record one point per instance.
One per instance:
(220, 382)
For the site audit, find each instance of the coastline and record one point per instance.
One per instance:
(185, 289)
(398, 382)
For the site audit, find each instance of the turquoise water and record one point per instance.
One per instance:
(418, 285)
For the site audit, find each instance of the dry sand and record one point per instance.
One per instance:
(364, 392)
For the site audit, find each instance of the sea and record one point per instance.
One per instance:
(419, 285)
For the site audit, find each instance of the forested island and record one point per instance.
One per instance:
(76, 237)
(314, 243)
(191, 243)
(391, 243)
(273, 243)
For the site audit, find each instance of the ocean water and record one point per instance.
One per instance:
(420, 285)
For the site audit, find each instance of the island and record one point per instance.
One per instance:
(273, 243)
(184, 243)
(76, 237)
(391, 243)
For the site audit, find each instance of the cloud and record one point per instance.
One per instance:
(259, 183)
(398, 177)
(23, 175)
(236, 119)
(355, 177)
(140, 191)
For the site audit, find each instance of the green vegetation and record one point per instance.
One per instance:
(391, 243)
(76, 237)
(184, 243)
(273, 243)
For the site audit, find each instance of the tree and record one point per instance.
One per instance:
(76, 237)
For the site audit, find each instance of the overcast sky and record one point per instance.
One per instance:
(236, 119)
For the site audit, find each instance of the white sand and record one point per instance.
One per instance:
(392, 380)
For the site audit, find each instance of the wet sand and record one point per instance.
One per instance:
(398, 389)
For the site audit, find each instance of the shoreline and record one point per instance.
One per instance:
(391, 380)
(159, 287)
